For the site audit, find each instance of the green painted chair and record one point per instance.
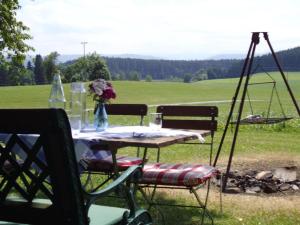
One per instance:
(54, 195)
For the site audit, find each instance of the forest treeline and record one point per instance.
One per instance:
(205, 69)
(41, 69)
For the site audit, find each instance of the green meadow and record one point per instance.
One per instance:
(155, 93)
(257, 146)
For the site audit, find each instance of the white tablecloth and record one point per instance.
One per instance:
(83, 141)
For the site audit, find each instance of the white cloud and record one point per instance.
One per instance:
(164, 28)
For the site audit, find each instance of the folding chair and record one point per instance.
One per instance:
(100, 161)
(183, 175)
(64, 201)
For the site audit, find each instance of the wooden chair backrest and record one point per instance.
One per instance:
(195, 117)
(127, 110)
(59, 168)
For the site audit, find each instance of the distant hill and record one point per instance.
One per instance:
(217, 68)
(289, 60)
(131, 56)
(161, 69)
(227, 56)
(65, 58)
(60, 59)
(165, 69)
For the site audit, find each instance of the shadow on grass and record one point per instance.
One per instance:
(172, 215)
(180, 215)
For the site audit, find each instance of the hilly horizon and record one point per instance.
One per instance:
(62, 58)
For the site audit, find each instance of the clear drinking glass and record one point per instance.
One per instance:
(75, 123)
(77, 105)
(155, 120)
(87, 125)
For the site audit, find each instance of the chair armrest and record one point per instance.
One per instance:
(132, 174)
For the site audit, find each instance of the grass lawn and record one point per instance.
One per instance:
(257, 146)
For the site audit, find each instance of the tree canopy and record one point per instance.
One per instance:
(13, 33)
(86, 68)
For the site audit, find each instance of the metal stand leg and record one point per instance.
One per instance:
(247, 66)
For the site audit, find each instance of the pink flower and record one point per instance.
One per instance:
(108, 93)
(102, 90)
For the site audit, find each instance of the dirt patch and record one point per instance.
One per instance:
(245, 178)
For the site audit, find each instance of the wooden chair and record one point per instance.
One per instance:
(100, 161)
(183, 175)
(64, 201)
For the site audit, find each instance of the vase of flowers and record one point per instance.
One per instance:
(102, 92)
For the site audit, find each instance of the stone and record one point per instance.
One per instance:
(231, 181)
(249, 191)
(285, 174)
(284, 187)
(250, 173)
(248, 177)
(231, 174)
(217, 182)
(253, 181)
(270, 188)
(253, 190)
(233, 190)
(263, 175)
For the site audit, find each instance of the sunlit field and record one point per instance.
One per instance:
(263, 146)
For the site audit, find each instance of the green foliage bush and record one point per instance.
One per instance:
(86, 68)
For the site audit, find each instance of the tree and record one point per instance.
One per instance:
(39, 73)
(86, 68)
(3, 75)
(99, 70)
(148, 78)
(200, 75)
(18, 74)
(115, 76)
(29, 66)
(13, 33)
(50, 67)
(134, 75)
(187, 78)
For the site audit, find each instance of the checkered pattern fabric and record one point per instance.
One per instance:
(188, 175)
(106, 164)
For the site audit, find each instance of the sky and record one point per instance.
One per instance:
(166, 29)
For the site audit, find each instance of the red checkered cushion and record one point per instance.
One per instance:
(106, 164)
(177, 174)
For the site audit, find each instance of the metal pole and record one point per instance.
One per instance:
(233, 104)
(247, 66)
(281, 72)
(255, 40)
(84, 43)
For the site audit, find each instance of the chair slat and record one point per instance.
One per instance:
(204, 111)
(190, 124)
(126, 109)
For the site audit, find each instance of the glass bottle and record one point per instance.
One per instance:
(57, 96)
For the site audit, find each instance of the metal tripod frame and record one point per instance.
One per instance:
(246, 71)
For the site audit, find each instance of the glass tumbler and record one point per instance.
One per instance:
(155, 120)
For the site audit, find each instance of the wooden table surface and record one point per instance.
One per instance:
(150, 142)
